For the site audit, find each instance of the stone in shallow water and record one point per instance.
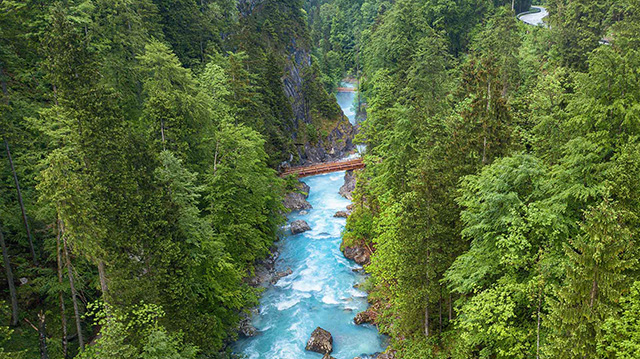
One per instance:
(280, 275)
(364, 317)
(299, 226)
(246, 328)
(321, 341)
(341, 214)
(359, 254)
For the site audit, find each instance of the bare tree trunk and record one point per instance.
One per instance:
(42, 333)
(102, 273)
(513, 5)
(24, 213)
(162, 133)
(55, 94)
(215, 158)
(594, 292)
(74, 294)
(3, 80)
(426, 310)
(440, 313)
(484, 151)
(63, 316)
(426, 318)
(538, 327)
(12, 286)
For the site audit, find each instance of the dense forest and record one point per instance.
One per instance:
(142, 139)
(500, 195)
(140, 142)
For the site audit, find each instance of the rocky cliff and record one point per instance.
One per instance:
(318, 129)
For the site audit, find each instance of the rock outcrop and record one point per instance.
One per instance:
(318, 130)
(341, 214)
(349, 185)
(359, 254)
(368, 316)
(390, 355)
(299, 226)
(297, 200)
(280, 275)
(320, 341)
(265, 270)
(337, 145)
(245, 328)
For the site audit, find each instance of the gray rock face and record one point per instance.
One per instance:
(297, 61)
(340, 140)
(338, 144)
(349, 185)
(264, 270)
(299, 226)
(296, 201)
(321, 342)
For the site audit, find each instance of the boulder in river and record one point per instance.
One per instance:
(245, 328)
(357, 253)
(367, 316)
(280, 275)
(390, 355)
(297, 200)
(299, 226)
(349, 185)
(327, 356)
(341, 214)
(265, 270)
(321, 342)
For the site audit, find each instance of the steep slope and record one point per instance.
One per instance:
(311, 126)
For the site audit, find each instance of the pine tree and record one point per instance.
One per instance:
(598, 272)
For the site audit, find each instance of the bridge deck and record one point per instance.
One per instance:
(305, 171)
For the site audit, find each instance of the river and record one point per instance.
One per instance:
(346, 101)
(320, 292)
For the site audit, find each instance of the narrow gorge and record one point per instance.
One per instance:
(321, 289)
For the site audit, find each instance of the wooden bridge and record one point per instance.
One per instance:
(305, 171)
(347, 89)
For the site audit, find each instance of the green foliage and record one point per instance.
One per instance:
(135, 334)
(620, 335)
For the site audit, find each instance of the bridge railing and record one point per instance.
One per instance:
(304, 171)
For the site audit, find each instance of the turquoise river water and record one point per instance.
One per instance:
(320, 292)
